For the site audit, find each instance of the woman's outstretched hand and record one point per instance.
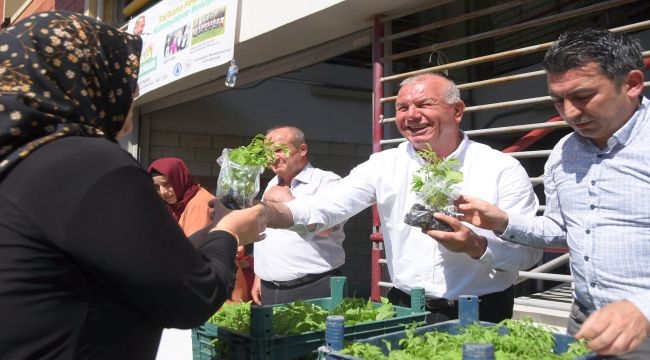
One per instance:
(247, 225)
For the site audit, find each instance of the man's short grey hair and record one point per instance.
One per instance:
(450, 94)
(297, 136)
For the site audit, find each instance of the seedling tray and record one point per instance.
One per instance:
(262, 344)
(467, 314)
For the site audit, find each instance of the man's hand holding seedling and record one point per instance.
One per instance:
(460, 239)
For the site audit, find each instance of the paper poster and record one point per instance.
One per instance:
(182, 37)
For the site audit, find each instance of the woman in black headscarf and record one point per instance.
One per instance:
(91, 264)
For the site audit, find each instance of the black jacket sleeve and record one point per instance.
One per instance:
(123, 236)
(92, 211)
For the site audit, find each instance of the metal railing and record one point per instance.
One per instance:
(535, 131)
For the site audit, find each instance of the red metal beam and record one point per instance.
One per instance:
(377, 136)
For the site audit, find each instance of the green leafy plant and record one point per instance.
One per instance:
(512, 339)
(241, 167)
(436, 180)
(235, 315)
(292, 319)
(435, 184)
(260, 151)
(299, 316)
(356, 310)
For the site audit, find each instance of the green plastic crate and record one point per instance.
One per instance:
(467, 314)
(262, 344)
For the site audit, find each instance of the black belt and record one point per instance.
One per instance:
(309, 278)
(447, 303)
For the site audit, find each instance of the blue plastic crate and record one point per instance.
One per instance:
(262, 344)
(467, 314)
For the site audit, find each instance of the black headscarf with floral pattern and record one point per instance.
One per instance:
(63, 74)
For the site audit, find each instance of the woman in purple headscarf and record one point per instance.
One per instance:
(186, 200)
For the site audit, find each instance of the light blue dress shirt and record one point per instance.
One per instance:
(598, 203)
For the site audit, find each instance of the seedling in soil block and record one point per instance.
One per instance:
(435, 184)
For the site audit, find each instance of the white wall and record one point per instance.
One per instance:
(262, 16)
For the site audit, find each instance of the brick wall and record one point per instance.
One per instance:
(200, 152)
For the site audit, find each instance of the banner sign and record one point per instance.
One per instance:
(182, 37)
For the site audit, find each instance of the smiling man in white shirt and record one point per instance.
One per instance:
(474, 262)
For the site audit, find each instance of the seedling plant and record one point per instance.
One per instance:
(435, 185)
(241, 167)
(512, 340)
(299, 316)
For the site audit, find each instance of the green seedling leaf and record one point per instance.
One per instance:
(436, 179)
(260, 151)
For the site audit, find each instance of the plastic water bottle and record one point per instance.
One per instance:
(231, 75)
(334, 333)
